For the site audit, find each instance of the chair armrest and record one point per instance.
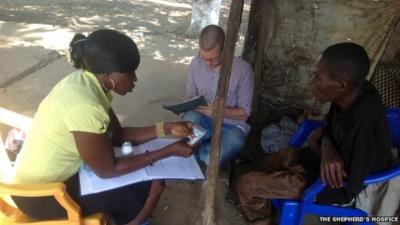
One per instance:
(378, 177)
(383, 176)
(303, 131)
(46, 189)
(393, 117)
(310, 193)
(32, 190)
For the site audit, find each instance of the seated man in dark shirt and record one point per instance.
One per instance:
(354, 142)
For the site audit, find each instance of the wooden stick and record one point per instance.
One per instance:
(235, 17)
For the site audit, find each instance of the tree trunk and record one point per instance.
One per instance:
(209, 191)
(204, 12)
(253, 28)
(259, 59)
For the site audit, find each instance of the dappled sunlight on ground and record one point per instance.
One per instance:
(169, 3)
(47, 36)
(148, 22)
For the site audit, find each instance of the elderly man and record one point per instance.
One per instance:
(354, 142)
(203, 80)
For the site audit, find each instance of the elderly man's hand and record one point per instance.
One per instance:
(332, 166)
(206, 110)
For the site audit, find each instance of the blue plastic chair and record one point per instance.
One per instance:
(147, 222)
(303, 131)
(293, 211)
(290, 209)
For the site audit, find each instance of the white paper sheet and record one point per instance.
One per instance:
(168, 168)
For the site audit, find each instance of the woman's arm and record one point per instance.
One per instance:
(140, 135)
(97, 151)
(135, 135)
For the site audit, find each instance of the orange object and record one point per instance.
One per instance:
(10, 214)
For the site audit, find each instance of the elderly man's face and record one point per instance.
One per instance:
(212, 58)
(324, 88)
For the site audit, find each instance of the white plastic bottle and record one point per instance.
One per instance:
(126, 148)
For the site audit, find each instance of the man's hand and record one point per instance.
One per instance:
(332, 166)
(206, 110)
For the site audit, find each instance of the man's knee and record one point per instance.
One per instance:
(234, 138)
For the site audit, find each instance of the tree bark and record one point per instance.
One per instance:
(259, 59)
(235, 17)
(253, 28)
(204, 12)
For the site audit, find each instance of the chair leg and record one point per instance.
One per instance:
(289, 214)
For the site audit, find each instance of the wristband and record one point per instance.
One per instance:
(160, 129)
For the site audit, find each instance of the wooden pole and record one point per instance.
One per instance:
(235, 18)
(259, 59)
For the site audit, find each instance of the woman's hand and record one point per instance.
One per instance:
(180, 148)
(179, 129)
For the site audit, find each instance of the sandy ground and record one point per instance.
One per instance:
(34, 36)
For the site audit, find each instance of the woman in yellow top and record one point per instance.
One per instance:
(75, 123)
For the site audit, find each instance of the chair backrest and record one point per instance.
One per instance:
(307, 126)
(9, 213)
(303, 131)
(13, 215)
(393, 117)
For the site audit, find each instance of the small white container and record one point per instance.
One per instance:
(126, 148)
(198, 133)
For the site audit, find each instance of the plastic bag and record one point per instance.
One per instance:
(276, 136)
(14, 140)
